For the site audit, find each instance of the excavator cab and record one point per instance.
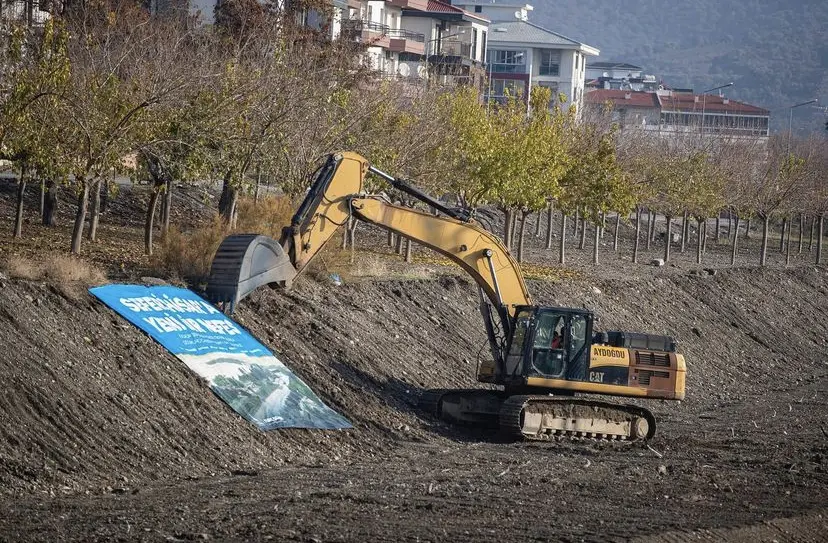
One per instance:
(551, 342)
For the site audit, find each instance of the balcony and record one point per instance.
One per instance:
(451, 52)
(367, 33)
(419, 5)
(405, 41)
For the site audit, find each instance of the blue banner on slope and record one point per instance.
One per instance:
(240, 370)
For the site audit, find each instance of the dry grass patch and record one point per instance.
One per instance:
(190, 255)
(69, 274)
(267, 216)
(18, 267)
(70, 270)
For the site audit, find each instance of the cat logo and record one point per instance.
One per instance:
(596, 376)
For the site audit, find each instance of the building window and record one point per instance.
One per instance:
(478, 9)
(550, 63)
(504, 87)
(507, 62)
(553, 91)
(474, 44)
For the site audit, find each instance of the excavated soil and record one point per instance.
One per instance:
(105, 436)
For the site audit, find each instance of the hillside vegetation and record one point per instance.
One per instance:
(774, 51)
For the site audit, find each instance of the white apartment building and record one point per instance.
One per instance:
(522, 55)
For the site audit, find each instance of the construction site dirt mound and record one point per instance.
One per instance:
(105, 435)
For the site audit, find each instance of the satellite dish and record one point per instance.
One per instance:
(404, 70)
(422, 73)
(518, 15)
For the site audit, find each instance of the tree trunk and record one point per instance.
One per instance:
(811, 239)
(582, 242)
(685, 233)
(819, 239)
(650, 227)
(549, 213)
(80, 217)
(229, 214)
(735, 243)
(747, 228)
(603, 224)
(788, 244)
(704, 237)
(598, 232)
(50, 204)
(684, 229)
(514, 230)
(637, 234)
(615, 235)
(228, 200)
(21, 192)
(763, 255)
(537, 224)
(522, 235)
(42, 196)
(718, 224)
(408, 245)
(699, 238)
(149, 221)
(668, 238)
(398, 248)
(390, 238)
(507, 227)
(576, 224)
(729, 224)
(782, 236)
(801, 230)
(95, 211)
(167, 207)
(562, 242)
(258, 184)
(107, 186)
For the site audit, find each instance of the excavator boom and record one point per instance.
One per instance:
(336, 195)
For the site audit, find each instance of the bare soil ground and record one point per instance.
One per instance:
(104, 436)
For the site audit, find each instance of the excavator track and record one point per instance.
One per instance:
(541, 418)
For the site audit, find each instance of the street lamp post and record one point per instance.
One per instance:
(790, 119)
(704, 100)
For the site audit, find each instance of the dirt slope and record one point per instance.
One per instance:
(93, 410)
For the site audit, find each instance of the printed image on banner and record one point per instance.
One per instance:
(240, 370)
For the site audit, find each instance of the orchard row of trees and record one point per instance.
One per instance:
(110, 88)
(536, 160)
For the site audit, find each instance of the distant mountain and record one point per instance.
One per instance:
(775, 51)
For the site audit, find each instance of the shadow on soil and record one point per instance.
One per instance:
(404, 396)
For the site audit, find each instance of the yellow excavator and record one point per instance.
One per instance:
(541, 356)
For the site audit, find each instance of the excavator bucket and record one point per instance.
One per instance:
(243, 263)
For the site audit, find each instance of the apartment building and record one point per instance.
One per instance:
(668, 111)
(522, 55)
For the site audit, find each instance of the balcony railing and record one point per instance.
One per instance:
(358, 25)
(402, 34)
(452, 48)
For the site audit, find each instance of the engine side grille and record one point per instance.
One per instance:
(644, 376)
(647, 358)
